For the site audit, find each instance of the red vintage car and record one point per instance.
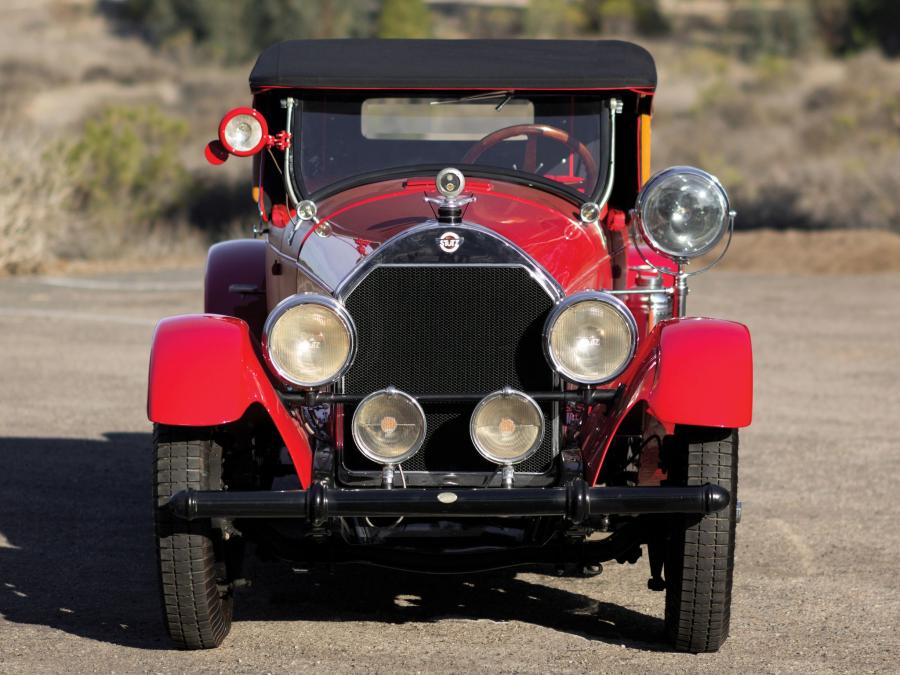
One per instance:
(459, 340)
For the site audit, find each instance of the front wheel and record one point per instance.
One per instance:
(195, 587)
(699, 564)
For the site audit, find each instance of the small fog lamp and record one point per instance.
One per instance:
(388, 426)
(507, 427)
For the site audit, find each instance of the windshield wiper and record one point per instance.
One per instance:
(486, 96)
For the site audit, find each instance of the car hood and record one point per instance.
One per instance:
(358, 221)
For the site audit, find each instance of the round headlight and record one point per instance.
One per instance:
(683, 212)
(309, 340)
(243, 132)
(590, 338)
(507, 427)
(388, 426)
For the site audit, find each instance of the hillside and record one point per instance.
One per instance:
(806, 144)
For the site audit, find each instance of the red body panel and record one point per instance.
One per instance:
(239, 261)
(547, 227)
(704, 374)
(694, 371)
(204, 371)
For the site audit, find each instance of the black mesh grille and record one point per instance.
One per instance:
(442, 330)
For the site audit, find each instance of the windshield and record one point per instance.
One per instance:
(550, 136)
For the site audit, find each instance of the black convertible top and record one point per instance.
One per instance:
(454, 64)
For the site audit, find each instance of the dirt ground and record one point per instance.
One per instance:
(816, 588)
(814, 252)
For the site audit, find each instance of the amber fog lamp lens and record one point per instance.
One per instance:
(310, 344)
(683, 212)
(388, 426)
(591, 340)
(507, 427)
(243, 132)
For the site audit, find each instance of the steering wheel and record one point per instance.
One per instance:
(532, 132)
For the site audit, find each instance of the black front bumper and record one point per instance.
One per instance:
(576, 502)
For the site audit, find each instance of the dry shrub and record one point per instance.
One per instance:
(119, 189)
(126, 175)
(33, 203)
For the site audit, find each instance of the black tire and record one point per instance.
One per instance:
(699, 566)
(196, 596)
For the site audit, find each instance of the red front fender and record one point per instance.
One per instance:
(692, 371)
(204, 372)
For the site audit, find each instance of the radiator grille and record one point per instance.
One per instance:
(449, 329)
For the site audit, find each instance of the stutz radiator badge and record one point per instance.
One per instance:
(449, 242)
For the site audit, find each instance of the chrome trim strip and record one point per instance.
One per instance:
(447, 479)
(641, 291)
(303, 299)
(596, 296)
(513, 256)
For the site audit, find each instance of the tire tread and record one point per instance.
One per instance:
(700, 565)
(196, 614)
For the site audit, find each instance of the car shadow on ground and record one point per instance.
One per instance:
(76, 554)
(364, 593)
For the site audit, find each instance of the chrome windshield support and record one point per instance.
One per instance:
(289, 104)
(615, 107)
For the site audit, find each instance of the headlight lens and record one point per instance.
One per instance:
(309, 340)
(389, 426)
(507, 427)
(683, 212)
(243, 131)
(590, 338)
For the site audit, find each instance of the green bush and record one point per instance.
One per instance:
(237, 30)
(762, 31)
(126, 166)
(847, 26)
(554, 18)
(640, 16)
(404, 19)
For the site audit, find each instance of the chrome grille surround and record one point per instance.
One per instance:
(487, 294)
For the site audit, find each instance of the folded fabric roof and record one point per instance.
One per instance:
(454, 64)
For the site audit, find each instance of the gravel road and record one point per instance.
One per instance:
(816, 588)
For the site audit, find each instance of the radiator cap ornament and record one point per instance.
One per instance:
(450, 182)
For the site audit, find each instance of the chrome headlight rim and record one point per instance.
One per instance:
(574, 299)
(361, 445)
(303, 299)
(521, 457)
(658, 178)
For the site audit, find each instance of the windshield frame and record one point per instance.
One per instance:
(605, 157)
